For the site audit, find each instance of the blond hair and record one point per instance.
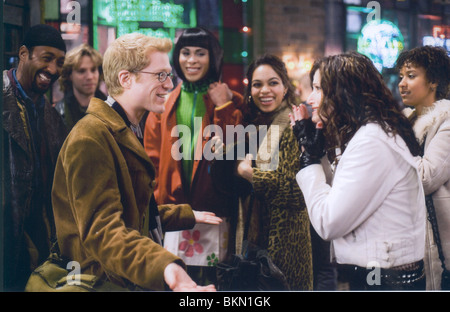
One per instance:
(130, 52)
(73, 61)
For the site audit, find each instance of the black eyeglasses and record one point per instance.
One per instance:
(162, 76)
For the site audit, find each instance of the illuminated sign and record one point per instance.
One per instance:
(382, 42)
(151, 17)
(436, 42)
(440, 37)
(157, 18)
(441, 31)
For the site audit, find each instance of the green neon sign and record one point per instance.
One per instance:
(382, 42)
(157, 18)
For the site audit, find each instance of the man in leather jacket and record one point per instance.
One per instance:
(33, 134)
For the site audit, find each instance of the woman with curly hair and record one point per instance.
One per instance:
(424, 85)
(374, 209)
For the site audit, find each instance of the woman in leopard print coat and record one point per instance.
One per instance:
(279, 220)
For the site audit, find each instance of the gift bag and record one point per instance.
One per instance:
(204, 245)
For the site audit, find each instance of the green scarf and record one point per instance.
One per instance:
(190, 105)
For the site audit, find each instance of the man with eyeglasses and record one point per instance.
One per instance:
(105, 213)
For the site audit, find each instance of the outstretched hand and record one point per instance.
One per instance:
(178, 280)
(206, 217)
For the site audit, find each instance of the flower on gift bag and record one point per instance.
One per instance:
(190, 244)
(212, 259)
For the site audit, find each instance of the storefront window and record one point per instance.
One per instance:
(74, 20)
(439, 35)
(159, 18)
(373, 30)
(382, 29)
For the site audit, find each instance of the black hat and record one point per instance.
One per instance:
(44, 35)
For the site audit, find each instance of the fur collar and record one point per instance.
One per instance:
(268, 157)
(435, 114)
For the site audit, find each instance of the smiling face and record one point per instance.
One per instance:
(414, 87)
(194, 62)
(315, 98)
(148, 92)
(267, 89)
(38, 71)
(85, 77)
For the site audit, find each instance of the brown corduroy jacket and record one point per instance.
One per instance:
(102, 189)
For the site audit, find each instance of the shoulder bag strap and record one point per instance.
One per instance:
(433, 220)
(434, 226)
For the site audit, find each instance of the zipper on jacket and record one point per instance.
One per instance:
(192, 120)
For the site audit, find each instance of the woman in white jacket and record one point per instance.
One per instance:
(424, 85)
(373, 211)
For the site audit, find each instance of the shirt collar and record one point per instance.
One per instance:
(119, 109)
(23, 94)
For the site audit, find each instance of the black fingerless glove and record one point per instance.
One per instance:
(314, 150)
(303, 129)
(311, 139)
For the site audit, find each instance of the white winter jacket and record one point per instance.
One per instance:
(433, 128)
(374, 212)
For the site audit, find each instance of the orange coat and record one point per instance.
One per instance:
(158, 144)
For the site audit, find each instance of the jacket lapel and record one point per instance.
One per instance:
(171, 101)
(15, 129)
(128, 139)
(12, 112)
(122, 134)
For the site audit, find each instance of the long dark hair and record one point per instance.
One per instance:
(354, 94)
(200, 37)
(250, 111)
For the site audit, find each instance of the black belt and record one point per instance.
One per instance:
(405, 277)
